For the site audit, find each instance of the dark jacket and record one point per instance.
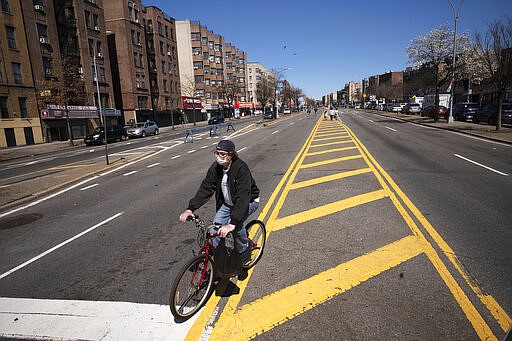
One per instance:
(242, 188)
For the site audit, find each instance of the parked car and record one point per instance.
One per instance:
(143, 129)
(393, 107)
(489, 114)
(464, 111)
(429, 110)
(258, 112)
(216, 119)
(97, 136)
(411, 108)
(287, 111)
(268, 114)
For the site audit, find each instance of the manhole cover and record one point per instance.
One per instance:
(19, 220)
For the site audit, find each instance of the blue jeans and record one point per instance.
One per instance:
(223, 217)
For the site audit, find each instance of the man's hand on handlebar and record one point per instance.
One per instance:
(224, 230)
(185, 215)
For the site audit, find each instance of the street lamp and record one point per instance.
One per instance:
(102, 117)
(452, 83)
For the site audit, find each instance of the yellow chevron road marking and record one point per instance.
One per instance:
(331, 151)
(337, 134)
(322, 211)
(327, 178)
(331, 143)
(473, 315)
(326, 162)
(277, 308)
(327, 139)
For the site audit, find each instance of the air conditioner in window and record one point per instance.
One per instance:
(100, 55)
(44, 40)
(39, 8)
(140, 44)
(169, 53)
(95, 79)
(97, 28)
(136, 21)
(48, 71)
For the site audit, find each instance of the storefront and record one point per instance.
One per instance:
(192, 106)
(82, 119)
(244, 109)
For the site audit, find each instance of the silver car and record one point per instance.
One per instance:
(143, 129)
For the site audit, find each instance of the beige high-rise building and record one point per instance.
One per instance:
(255, 73)
(211, 70)
(19, 120)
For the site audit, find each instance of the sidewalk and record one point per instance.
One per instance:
(480, 130)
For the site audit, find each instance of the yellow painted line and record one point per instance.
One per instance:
(275, 309)
(331, 151)
(325, 210)
(197, 329)
(326, 139)
(472, 314)
(326, 162)
(71, 166)
(329, 130)
(337, 134)
(331, 143)
(5, 186)
(327, 178)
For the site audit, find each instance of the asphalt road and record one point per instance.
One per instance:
(347, 257)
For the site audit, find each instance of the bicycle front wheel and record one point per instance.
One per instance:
(257, 234)
(192, 287)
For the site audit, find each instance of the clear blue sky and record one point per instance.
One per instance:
(330, 42)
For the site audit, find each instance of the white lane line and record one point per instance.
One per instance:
(44, 319)
(479, 164)
(91, 186)
(292, 123)
(5, 274)
(129, 173)
(48, 197)
(275, 132)
(390, 128)
(153, 165)
(175, 157)
(371, 121)
(242, 149)
(191, 151)
(203, 147)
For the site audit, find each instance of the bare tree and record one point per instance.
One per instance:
(434, 51)
(228, 91)
(188, 88)
(494, 50)
(265, 91)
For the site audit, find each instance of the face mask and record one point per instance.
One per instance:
(221, 160)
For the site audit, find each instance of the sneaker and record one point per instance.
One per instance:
(245, 256)
(243, 275)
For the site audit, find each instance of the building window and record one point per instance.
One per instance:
(47, 66)
(16, 70)
(196, 51)
(205, 55)
(11, 39)
(90, 44)
(194, 36)
(87, 15)
(5, 6)
(204, 41)
(133, 36)
(141, 60)
(143, 81)
(23, 107)
(139, 42)
(166, 31)
(135, 59)
(210, 44)
(161, 48)
(95, 22)
(163, 67)
(102, 75)
(142, 102)
(165, 85)
(3, 107)
(198, 65)
(199, 79)
(159, 27)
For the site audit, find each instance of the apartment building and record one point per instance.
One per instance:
(212, 71)
(143, 44)
(256, 72)
(19, 120)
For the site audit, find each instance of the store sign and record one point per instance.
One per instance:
(244, 105)
(191, 102)
(73, 111)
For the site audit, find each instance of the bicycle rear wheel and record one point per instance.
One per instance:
(257, 234)
(192, 287)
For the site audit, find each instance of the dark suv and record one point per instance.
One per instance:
(489, 114)
(97, 136)
(465, 111)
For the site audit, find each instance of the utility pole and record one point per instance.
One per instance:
(102, 115)
(452, 83)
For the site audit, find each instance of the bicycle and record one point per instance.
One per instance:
(194, 283)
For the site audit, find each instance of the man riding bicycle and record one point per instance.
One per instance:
(236, 195)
